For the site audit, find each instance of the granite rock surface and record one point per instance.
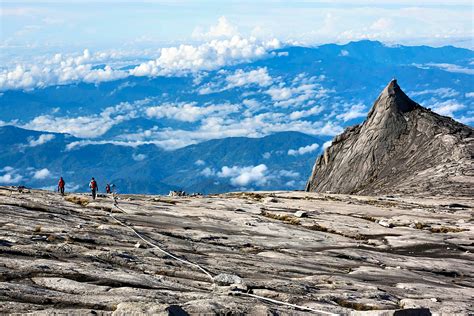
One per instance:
(353, 255)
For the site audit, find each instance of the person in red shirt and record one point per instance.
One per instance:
(61, 185)
(93, 186)
(107, 188)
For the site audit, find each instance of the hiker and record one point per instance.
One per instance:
(61, 185)
(107, 188)
(93, 186)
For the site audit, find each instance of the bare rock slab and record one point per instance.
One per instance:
(64, 256)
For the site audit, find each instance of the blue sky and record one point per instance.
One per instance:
(34, 27)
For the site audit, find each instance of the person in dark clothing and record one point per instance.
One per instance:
(107, 188)
(94, 187)
(61, 185)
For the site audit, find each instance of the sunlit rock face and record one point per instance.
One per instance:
(401, 148)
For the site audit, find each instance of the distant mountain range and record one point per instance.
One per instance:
(253, 125)
(149, 169)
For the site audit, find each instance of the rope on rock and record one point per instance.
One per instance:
(158, 247)
(204, 271)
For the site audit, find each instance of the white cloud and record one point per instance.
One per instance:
(49, 20)
(327, 144)
(208, 172)
(291, 183)
(42, 139)
(447, 67)
(223, 29)
(303, 150)
(466, 119)
(241, 78)
(279, 94)
(382, 24)
(72, 187)
(441, 92)
(138, 157)
(42, 174)
(447, 108)
(61, 69)
(208, 56)
(208, 89)
(189, 112)
(19, 11)
(133, 140)
(344, 53)
(211, 121)
(217, 128)
(258, 77)
(84, 126)
(355, 111)
(7, 169)
(10, 178)
(289, 174)
(199, 162)
(302, 90)
(10, 175)
(469, 95)
(81, 143)
(252, 104)
(58, 70)
(330, 128)
(453, 68)
(243, 176)
(305, 113)
(101, 75)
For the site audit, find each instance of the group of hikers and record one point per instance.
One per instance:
(94, 187)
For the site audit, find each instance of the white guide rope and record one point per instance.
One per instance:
(160, 249)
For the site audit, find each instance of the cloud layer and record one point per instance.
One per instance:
(208, 56)
(189, 112)
(60, 69)
(83, 126)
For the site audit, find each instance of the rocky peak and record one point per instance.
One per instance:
(401, 147)
(394, 99)
(389, 109)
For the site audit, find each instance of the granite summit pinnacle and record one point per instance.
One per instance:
(402, 148)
